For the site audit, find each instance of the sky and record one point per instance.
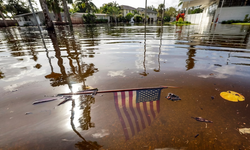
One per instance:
(133, 3)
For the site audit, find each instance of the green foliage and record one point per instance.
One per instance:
(85, 6)
(166, 18)
(193, 10)
(180, 19)
(171, 12)
(17, 7)
(89, 18)
(181, 22)
(74, 9)
(246, 20)
(101, 21)
(113, 9)
(138, 18)
(129, 16)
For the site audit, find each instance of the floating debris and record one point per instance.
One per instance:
(14, 90)
(201, 119)
(232, 96)
(211, 74)
(44, 100)
(244, 130)
(196, 136)
(218, 65)
(27, 113)
(64, 101)
(173, 97)
(212, 97)
(246, 105)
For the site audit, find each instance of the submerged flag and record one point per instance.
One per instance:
(137, 109)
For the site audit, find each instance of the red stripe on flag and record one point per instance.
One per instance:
(132, 110)
(152, 108)
(141, 116)
(126, 113)
(146, 113)
(120, 116)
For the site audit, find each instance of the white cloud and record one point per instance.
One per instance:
(116, 73)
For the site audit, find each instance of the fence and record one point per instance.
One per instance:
(76, 20)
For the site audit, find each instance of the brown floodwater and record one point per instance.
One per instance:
(202, 61)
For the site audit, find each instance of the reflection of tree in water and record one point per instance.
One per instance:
(86, 100)
(77, 74)
(191, 61)
(13, 43)
(144, 73)
(159, 34)
(1, 74)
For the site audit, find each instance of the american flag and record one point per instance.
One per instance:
(137, 109)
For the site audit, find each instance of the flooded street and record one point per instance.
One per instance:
(202, 61)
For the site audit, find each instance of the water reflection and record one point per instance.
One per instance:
(137, 109)
(190, 61)
(85, 122)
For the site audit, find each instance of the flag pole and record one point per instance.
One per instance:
(91, 91)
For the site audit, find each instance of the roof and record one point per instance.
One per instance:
(192, 3)
(27, 14)
(148, 10)
(80, 14)
(127, 7)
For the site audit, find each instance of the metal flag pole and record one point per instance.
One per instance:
(95, 91)
(34, 15)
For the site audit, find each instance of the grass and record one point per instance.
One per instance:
(241, 23)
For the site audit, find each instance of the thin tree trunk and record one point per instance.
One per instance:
(3, 19)
(59, 16)
(66, 13)
(48, 21)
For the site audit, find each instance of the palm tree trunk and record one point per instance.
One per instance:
(48, 21)
(5, 23)
(66, 13)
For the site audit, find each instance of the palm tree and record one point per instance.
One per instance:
(48, 21)
(86, 6)
(2, 9)
(66, 14)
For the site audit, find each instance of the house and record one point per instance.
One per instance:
(127, 9)
(217, 10)
(150, 13)
(98, 16)
(28, 19)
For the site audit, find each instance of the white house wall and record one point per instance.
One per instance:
(232, 13)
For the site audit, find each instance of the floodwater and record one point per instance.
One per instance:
(202, 61)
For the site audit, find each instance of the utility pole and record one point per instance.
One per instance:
(145, 11)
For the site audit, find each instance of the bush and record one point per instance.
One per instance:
(166, 18)
(180, 19)
(89, 18)
(129, 16)
(101, 21)
(138, 18)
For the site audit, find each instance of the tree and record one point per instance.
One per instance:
(129, 16)
(85, 6)
(152, 8)
(17, 7)
(160, 10)
(170, 12)
(53, 5)
(2, 9)
(48, 21)
(113, 9)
